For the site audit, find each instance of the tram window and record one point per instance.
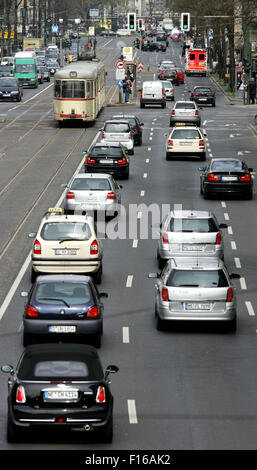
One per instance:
(67, 89)
(89, 93)
(79, 89)
(57, 89)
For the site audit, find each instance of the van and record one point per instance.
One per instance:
(25, 68)
(152, 93)
(196, 62)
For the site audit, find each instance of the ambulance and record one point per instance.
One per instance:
(196, 62)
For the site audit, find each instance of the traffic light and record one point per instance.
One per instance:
(140, 23)
(185, 21)
(132, 21)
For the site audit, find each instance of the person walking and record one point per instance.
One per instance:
(127, 89)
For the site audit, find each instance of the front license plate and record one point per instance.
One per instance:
(197, 306)
(62, 329)
(229, 178)
(65, 252)
(60, 395)
(106, 161)
(192, 248)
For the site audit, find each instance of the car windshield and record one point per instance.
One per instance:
(185, 106)
(116, 127)
(223, 165)
(197, 278)
(72, 293)
(193, 225)
(65, 230)
(186, 134)
(110, 151)
(91, 184)
(8, 82)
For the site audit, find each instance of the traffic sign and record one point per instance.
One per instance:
(140, 66)
(120, 84)
(120, 64)
(120, 74)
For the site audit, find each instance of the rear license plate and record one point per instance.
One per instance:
(202, 99)
(186, 143)
(192, 248)
(106, 161)
(61, 395)
(62, 329)
(65, 252)
(197, 306)
(229, 178)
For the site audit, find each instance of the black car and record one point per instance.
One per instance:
(45, 73)
(135, 124)
(203, 95)
(226, 176)
(169, 74)
(10, 89)
(111, 158)
(59, 387)
(161, 46)
(63, 307)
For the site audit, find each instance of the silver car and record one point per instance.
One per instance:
(189, 233)
(185, 111)
(93, 192)
(168, 89)
(118, 131)
(195, 289)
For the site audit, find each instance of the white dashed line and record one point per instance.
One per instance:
(149, 149)
(129, 280)
(223, 204)
(139, 215)
(233, 245)
(142, 193)
(147, 160)
(135, 244)
(145, 175)
(230, 230)
(132, 412)
(243, 283)
(125, 334)
(226, 216)
(237, 263)
(250, 309)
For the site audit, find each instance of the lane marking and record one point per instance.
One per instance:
(135, 244)
(129, 280)
(147, 160)
(237, 263)
(223, 204)
(149, 149)
(139, 215)
(32, 98)
(230, 230)
(250, 309)
(226, 216)
(243, 283)
(125, 334)
(132, 412)
(233, 245)
(142, 193)
(145, 175)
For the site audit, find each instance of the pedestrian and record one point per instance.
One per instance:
(252, 90)
(127, 89)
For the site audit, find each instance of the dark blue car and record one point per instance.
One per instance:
(10, 89)
(63, 307)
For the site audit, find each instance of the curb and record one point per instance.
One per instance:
(229, 98)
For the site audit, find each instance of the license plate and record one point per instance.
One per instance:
(106, 161)
(62, 329)
(229, 178)
(197, 306)
(192, 248)
(7, 95)
(65, 252)
(202, 99)
(186, 143)
(61, 395)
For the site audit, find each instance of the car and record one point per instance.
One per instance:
(53, 66)
(39, 75)
(45, 73)
(109, 158)
(152, 93)
(66, 244)
(169, 90)
(118, 131)
(59, 387)
(6, 70)
(186, 139)
(169, 74)
(195, 289)
(226, 177)
(92, 192)
(10, 89)
(181, 74)
(190, 233)
(63, 307)
(166, 63)
(135, 124)
(161, 46)
(185, 111)
(203, 95)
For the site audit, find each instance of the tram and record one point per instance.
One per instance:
(79, 91)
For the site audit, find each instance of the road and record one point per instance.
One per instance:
(183, 389)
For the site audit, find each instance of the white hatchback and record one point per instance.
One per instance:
(186, 140)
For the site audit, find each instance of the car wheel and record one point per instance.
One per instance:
(131, 152)
(205, 194)
(213, 105)
(142, 105)
(126, 175)
(159, 323)
(13, 435)
(231, 326)
(27, 340)
(97, 341)
(48, 79)
(161, 261)
(250, 195)
(140, 141)
(201, 190)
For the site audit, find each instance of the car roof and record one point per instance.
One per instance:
(196, 262)
(66, 218)
(53, 348)
(185, 102)
(108, 144)
(63, 278)
(229, 159)
(92, 176)
(191, 214)
(116, 116)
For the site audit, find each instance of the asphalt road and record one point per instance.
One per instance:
(189, 388)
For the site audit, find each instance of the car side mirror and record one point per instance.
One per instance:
(7, 369)
(223, 226)
(234, 276)
(250, 169)
(32, 235)
(110, 370)
(120, 186)
(141, 124)
(24, 294)
(84, 152)
(104, 295)
(153, 275)
(201, 168)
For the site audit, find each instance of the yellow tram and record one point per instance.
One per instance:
(79, 91)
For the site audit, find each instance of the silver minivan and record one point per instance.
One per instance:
(153, 93)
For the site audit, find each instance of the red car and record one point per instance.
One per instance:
(180, 74)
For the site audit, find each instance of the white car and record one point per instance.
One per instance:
(186, 140)
(118, 131)
(66, 244)
(168, 89)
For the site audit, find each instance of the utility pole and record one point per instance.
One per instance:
(246, 50)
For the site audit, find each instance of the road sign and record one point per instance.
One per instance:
(120, 84)
(120, 74)
(140, 66)
(55, 28)
(120, 64)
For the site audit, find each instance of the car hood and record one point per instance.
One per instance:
(8, 88)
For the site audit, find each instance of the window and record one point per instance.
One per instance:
(110, 151)
(73, 89)
(231, 165)
(194, 278)
(89, 89)
(192, 56)
(201, 57)
(60, 369)
(90, 184)
(73, 293)
(24, 68)
(65, 230)
(116, 127)
(185, 106)
(193, 225)
(185, 134)
(57, 88)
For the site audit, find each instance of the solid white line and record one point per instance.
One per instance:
(226, 216)
(237, 262)
(230, 230)
(107, 43)
(135, 244)
(129, 280)
(233, 245)
(132, 412)
(125, 334)
(243, 283)
(250, 309)
(32, 97)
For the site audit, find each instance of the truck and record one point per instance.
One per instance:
(32, 44)
(167, 24)
(196, 62)
(25, 68)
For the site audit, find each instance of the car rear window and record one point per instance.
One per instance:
(110, 151)
(186, 134)
(73, 293)
(185, 106)
(197, 278)
(65, 231)
(203, 90)
(131, 120)
(201, 56)
(117, 127)
(193, 225)
(94, 184)
(222, 165)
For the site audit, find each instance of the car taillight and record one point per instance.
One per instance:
(218, 239)
(130, 135)
(195, 94)
(141, 93)
(103, 136)
(170, 143)
(230, 295)
(122, 162)
(162, 76)
(210, 94)
(165, 238)
(196, 112)
(90, 161)
(20, 395)
(31, 312)
(111, 195)
(93, 312)
(213, 177)
(246, 177)
(173, 112)
(136, 129)
(70, 195)
(37, 248)
(165, 295)
(201, 143)
(94, 248)
(100, 395)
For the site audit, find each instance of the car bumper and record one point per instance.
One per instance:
(93, 206)
(193, 120)
(128, 144)
(66, 266)
(216, 253)
(153, 101)
(228, 188)
(83, 327)
(110, 169)
(164, 313)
